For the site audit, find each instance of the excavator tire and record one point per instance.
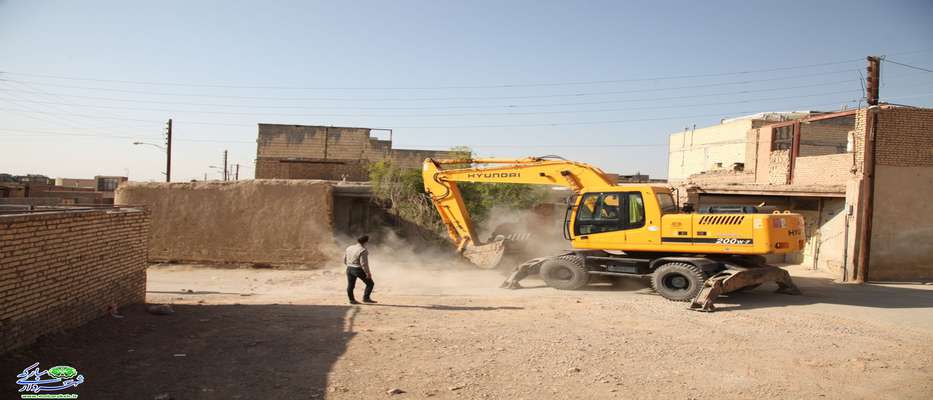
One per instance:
(677, 281)
(565, 273)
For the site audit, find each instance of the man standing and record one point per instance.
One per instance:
(356, 259)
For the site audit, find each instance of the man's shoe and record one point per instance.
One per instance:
(370, 301)
(354, 301)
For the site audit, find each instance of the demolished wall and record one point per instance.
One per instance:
(274, 221)
(61, 269)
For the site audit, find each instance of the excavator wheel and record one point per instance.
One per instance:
(678, 281)
(565, 273)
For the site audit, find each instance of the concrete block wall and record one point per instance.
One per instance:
(721, 177)
(319, 142)
(59, 270)
(279, 168)
(905, 137)
(405, 158)
(828, 136)
(832, 169)
(290, 141)
(355, 144)
(330, 153)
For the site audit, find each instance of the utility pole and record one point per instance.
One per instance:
(867, 196)
(873, 81)
(168, 151)
(236, 175)
(225, 165)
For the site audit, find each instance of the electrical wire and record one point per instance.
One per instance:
(445, 98)
(906, 65)
(642, 108)
(578, 123)
(508, 106)
(493, 86)
(51, 133)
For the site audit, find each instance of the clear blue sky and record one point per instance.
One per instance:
(435, 71)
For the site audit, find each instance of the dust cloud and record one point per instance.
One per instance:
(429, 268)
(434, 266)
(533, 233)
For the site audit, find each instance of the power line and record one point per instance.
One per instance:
(906, 65)
(602, 122)
(457, 114)
(446, 98)
(71, 122)
(152, 137)
(493, 86)
(246, 164)
(508, 106)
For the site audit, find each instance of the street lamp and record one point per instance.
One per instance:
(221, 171)
(167, 179)
(150, 144)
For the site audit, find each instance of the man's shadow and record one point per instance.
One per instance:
(439, 307)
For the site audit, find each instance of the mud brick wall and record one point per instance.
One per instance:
(267, 221)
(59, 270)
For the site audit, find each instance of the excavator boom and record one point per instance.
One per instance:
(441, 186)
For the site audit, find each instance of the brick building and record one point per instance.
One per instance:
(327, 152)
(816, 166)
(43, 191)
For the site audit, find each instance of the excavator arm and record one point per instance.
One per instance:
(441, 186)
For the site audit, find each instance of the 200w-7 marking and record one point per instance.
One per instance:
(733, 241)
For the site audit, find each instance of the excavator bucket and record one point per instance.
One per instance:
(737, 278)
(485, 256)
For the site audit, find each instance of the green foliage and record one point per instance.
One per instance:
(388, 181)
(481, 198)
(403, 189)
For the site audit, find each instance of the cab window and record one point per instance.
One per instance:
(607, 212)
(636, 211)
(666, 202)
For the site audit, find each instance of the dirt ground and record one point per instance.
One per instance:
(447, 332)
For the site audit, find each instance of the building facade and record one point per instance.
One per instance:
(716, 147)
(867, 216)
(39, 190)
(330, 153)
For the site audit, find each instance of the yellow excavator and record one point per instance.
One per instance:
(630, 230)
